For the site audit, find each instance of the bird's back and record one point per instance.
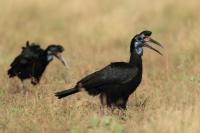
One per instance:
(113, 77)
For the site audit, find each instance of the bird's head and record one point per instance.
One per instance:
(55, 50)
(143, 40)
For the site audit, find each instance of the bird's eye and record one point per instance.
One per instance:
(139, 38)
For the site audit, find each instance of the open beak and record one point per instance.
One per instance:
(146, 44)
(155, 42)
(62, 59)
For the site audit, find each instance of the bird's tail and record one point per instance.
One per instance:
(66, 93)
(11, 73)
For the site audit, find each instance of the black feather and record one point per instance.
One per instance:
(65, 93)
(117, 81)
(30, 63)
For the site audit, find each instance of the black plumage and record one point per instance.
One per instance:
(33, 60)
(117, 81)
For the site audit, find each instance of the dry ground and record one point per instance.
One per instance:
(95, 33)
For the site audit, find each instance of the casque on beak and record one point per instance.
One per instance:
(146, 44)
(62, 59)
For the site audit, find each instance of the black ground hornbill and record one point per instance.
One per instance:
(117, 81)
(33, 60)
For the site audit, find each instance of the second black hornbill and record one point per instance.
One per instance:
(33, 60)
(117, 81)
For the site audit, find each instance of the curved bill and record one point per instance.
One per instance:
(150, 47)
(62, 59)
(155, 42)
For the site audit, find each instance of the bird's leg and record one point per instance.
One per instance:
(23, 86)
(102, 110)
(24, 89)
(18, 88)
(103, 103)
(103, 99)
(122, 109)
(122, 114)
(34, 81)
(119, 107)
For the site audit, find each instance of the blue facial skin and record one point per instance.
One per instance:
(139, 50)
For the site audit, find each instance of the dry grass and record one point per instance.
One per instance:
(94, 34)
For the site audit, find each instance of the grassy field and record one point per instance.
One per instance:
(95, 33)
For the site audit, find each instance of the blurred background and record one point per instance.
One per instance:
(95, 33)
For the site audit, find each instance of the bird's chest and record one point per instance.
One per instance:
(133, 82)
(39, 67)
(137, 79)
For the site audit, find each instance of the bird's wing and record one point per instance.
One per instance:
(19, 60)
(31, 52)
(115, 73)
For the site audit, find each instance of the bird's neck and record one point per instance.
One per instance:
(135, 59)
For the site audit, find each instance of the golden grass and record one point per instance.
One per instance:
(94, 34)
